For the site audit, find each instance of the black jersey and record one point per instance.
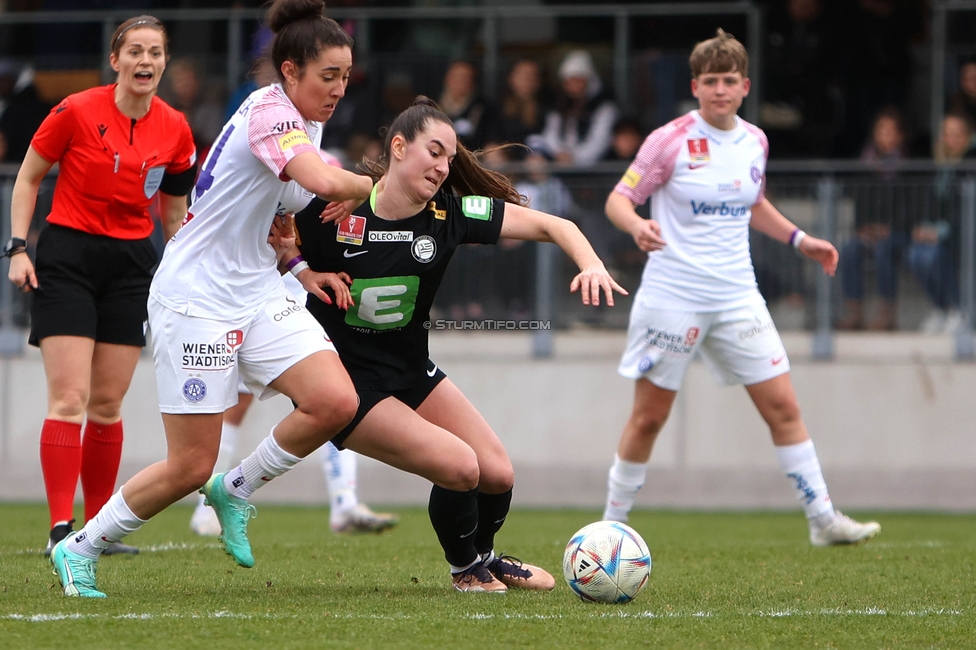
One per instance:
(396, 268)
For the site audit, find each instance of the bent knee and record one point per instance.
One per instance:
(497, 476)
(647, 424)
(191, 478)
(787, 411)
(332, 410)
(462, 473)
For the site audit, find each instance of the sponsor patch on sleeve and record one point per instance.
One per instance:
(631, 178)
(293, 139)
(476, 207)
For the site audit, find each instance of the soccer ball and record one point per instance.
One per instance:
(606, 562)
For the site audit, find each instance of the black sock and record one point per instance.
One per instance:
(454, 516)
(492, 511)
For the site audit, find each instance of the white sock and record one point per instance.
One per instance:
(268, 461)
(460, 569)
(800, 464)
(340, 475)
(228, 444)
(113, 522)
(623, 484)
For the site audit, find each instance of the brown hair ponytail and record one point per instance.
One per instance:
(467, 177)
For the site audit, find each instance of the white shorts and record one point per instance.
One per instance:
(197, 360)
(740, 346)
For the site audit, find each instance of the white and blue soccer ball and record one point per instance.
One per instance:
(606, 562)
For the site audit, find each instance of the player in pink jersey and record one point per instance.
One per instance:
(218, 306)
(705, 174)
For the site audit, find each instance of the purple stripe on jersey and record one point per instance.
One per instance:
(205, 179)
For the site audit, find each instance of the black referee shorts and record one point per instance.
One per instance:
(412, 397)
(92, 286)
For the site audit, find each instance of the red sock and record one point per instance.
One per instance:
(101, 453)
(60, 464)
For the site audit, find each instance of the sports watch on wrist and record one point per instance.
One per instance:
(14, 246)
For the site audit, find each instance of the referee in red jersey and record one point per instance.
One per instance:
(116, 147)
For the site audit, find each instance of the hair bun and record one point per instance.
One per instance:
(284, 12)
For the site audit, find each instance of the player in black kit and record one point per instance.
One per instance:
(382, 268)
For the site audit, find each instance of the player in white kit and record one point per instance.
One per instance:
(218, 305)
(705, 174)
(346, 513)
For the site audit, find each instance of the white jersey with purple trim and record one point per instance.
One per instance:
(220, 265)
(703, 183)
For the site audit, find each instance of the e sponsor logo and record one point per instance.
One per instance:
(476, 207)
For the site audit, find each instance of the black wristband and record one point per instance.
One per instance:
(14, 246)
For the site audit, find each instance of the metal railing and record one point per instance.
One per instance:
(830, 199)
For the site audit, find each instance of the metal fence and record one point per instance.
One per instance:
(510, 284)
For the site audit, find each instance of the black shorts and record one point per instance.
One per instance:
(412, 397)
(92, 286)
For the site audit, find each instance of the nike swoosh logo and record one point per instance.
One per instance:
(696, 166)
(346, 253)
(432, 371)
(776, 362)
(471, 533)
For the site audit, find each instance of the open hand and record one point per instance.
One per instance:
(591, 280)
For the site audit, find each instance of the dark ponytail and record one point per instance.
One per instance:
(467, 177)
(301, 31)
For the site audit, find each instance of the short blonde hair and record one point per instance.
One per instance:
(723, 53)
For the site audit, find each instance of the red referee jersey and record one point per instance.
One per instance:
(111, 165)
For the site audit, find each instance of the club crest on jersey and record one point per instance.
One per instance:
(194, 389)
(351, 231)
(755, 174)
(423, 248)
(154, 178)
(476, 207)
(698, 151)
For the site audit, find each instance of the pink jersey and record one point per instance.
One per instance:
(703, 183)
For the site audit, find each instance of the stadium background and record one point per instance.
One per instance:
(891, 412)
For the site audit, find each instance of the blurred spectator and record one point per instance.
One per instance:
(396, 96)
(21, 110)
(881, 227)
(876, 62)
(579, 131)
(523, 111)
(475, 120)
(185, 92)
(627, 139)
(801, 101)
(362, 147)
(934, 252)
(964, 100)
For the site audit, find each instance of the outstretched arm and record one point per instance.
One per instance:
(531, 225)
(770, 221)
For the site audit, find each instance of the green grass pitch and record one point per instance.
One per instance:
(719, 580)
